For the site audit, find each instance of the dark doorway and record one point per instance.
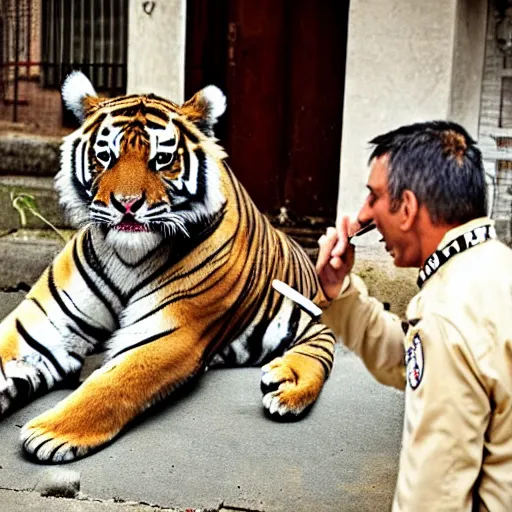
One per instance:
(282, 66)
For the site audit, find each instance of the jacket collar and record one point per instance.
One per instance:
(454, 242)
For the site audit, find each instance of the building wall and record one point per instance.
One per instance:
(156, 48)
(468, 63)
(406, 62)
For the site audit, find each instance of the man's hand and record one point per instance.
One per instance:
(336, 255)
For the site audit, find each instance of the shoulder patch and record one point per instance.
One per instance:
(415, 362)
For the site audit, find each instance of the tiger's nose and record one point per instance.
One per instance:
(127, 205)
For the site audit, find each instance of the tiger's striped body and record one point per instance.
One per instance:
(171, 271)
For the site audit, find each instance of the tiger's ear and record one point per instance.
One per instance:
(79, 95)
(205, 108)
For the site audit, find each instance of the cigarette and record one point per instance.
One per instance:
(365, 229)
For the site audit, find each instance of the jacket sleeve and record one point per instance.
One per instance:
(446, 415)
(374, 334)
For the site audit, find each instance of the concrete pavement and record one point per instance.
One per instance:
(214, 449)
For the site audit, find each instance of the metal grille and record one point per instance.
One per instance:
(90, 35)
(495, 130)
(18, 27)
(502, 193)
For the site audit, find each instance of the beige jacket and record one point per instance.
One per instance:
(457, 438)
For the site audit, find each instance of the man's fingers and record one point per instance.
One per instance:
(342, 229)
(326, 243)
(347, 225)
(345, 260)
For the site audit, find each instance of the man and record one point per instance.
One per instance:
(427, 197)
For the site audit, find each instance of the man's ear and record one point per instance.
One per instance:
(409, 210)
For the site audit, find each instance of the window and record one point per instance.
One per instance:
(90, 35)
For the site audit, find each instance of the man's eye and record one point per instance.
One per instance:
(163, 159)
(371, 199)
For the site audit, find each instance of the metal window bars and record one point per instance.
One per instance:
(90, 35)
(41, 41)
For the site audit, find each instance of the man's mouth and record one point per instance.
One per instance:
(128, 223)
(386, 246)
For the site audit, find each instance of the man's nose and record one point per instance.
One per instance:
(127, 204)
(365, 214)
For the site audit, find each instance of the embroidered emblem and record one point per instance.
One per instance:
(414, 362)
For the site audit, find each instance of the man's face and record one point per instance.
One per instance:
(401, 243)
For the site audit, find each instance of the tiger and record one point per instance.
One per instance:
(169, 272)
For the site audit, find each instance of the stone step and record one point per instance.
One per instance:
(29, 155)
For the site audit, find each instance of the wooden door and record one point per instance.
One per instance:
(282, 66)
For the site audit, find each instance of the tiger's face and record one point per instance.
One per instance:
(140, 167)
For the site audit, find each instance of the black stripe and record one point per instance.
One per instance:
(322, 347)
(154, 126)
(186, 159)
(30, 437)
(76, 357)
(155, 337)
(41, 445)
(158, 113)
(121, 99)
(287, 340)
(76, 332)
(327, 369)
(38, 304)
(95, 332)
(94, 124)
(81, 189)
(169, 142)
(76, 142)
(192, 136)
(94, 262)
(185, 294)
(56, 449)
(184, 275)
(198, 233)
(68, 296)
(305, 339)
(39, 348)
(92, 286)
(24, 389)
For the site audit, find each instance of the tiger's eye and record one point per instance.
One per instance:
(163, 158)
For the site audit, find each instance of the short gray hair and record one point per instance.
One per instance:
(439, 162)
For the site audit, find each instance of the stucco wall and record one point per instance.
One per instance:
(407, 61)
(468, 63)
(156, 48)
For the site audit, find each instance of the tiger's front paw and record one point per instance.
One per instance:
(44, 440)
(63, 434)
(285, 391)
